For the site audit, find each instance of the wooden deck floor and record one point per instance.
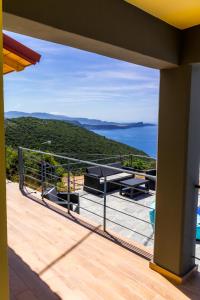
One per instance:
(52, 257)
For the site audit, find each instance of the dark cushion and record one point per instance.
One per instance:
(151, 172)
(102, 171)
(95, 171)
(109, 172)
(74, 197)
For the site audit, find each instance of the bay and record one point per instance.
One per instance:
(143, 138)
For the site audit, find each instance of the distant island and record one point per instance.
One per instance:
(90, 124)
(117, 126)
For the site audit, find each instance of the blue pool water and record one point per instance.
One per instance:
(143, 138)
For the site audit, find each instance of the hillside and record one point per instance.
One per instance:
(65, 137)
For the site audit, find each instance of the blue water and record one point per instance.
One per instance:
(143, 138)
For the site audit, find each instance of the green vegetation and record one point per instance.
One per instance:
(66, 138)
(140, 164)
(11, 164)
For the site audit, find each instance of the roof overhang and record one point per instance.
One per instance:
(113, 28)
(16, 56)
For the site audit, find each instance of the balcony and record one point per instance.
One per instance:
(59, 254)
(103, 199)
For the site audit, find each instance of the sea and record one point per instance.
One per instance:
(143, 138)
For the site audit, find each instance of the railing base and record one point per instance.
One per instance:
(171, 276)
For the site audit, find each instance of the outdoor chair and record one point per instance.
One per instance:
(52, 195)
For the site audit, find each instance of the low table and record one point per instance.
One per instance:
(131, 186)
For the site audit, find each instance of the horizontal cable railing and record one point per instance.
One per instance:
(116, 205)
(68, 181)
(89, 163)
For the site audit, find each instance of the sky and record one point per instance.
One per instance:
(78, 83)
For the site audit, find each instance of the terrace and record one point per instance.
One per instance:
(101, 252)
(125, 214)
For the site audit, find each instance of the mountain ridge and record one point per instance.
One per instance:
(90, 124)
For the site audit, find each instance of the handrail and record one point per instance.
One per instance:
(48, 178)
(106, 208)
(90, 163)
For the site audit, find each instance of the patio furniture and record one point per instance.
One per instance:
(152, 214)
(133, 186)
(133, 169)
(52, 195)
(95, 177)
(152, 183)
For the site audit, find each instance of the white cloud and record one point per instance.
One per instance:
(76, 82)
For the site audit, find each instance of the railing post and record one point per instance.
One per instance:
(43, 176)
(74, 183)
(68, 186)
(131, 160)
(104, 203)
(21, 169)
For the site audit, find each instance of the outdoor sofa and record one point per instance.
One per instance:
(53, 195)
(95, 177)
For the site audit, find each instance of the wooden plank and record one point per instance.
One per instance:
(53, 258)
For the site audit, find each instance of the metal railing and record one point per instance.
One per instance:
(102, 202)
(108, 203)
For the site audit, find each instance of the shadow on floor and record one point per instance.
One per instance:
(55, 261)
(76, 219)
(25, 283)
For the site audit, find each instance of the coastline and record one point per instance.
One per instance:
(143, 138)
